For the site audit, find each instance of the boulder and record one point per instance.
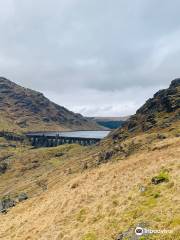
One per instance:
(1, 206)
(3, 167)
(156, 180)
(161, 136)
(22, 197)
(104, 157)
(162, 177)
(5, 203)
(60, 154)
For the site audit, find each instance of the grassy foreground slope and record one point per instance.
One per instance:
(99, 203)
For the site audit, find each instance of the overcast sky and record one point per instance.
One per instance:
(96, 57)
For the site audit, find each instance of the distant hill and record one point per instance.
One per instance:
(23, 109)
(110, 122)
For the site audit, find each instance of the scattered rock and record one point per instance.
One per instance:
(3, 167)
(127, 235)
(75, 185)
(5, 157)
(104, 157)
(1, 206)
(69, 171)
(162, 177)
(43, 184)
(84, 166)
(22, 197)
(119, 237)
(142, 189)
(5, 203)
(156, 180)
(161, 136)
(59, 154)
(147, 126)
(117, 148)
(4, 211)
(46, 119)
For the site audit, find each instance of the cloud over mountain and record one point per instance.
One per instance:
(101, 52)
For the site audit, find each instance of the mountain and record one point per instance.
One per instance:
(23, 109)
(160, 114)
(110, 122)
(131, 179)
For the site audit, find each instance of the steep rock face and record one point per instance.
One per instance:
(28, 109)
(158, 112)
(166, 100)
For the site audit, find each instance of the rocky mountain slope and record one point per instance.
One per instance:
(25, 109)
(159, 118)
(161, 111)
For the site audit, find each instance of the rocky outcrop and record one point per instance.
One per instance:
(8, 202)
(166, 100)
(3, 167)
(160, 111)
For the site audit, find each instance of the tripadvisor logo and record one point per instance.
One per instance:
(142, 231)
(139, 231)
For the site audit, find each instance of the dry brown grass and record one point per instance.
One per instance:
(98, 203)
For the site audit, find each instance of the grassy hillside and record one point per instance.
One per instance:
(68, 202)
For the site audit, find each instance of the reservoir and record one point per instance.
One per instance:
(73, 134)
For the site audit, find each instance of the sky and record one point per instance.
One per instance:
(98, 58)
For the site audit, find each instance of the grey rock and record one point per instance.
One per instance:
(104, 157)
(3, 167)
(84, 166)
(175, 82)
(142, 189)
(8, 203)
(161, 136)
(60, 154)
(22, 197)
(1, 206)
(119, 237)
(157, 180)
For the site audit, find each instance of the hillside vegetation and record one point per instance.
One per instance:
(103, 192)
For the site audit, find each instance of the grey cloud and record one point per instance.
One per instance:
(93, 46)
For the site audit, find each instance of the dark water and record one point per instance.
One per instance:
(80, 134)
